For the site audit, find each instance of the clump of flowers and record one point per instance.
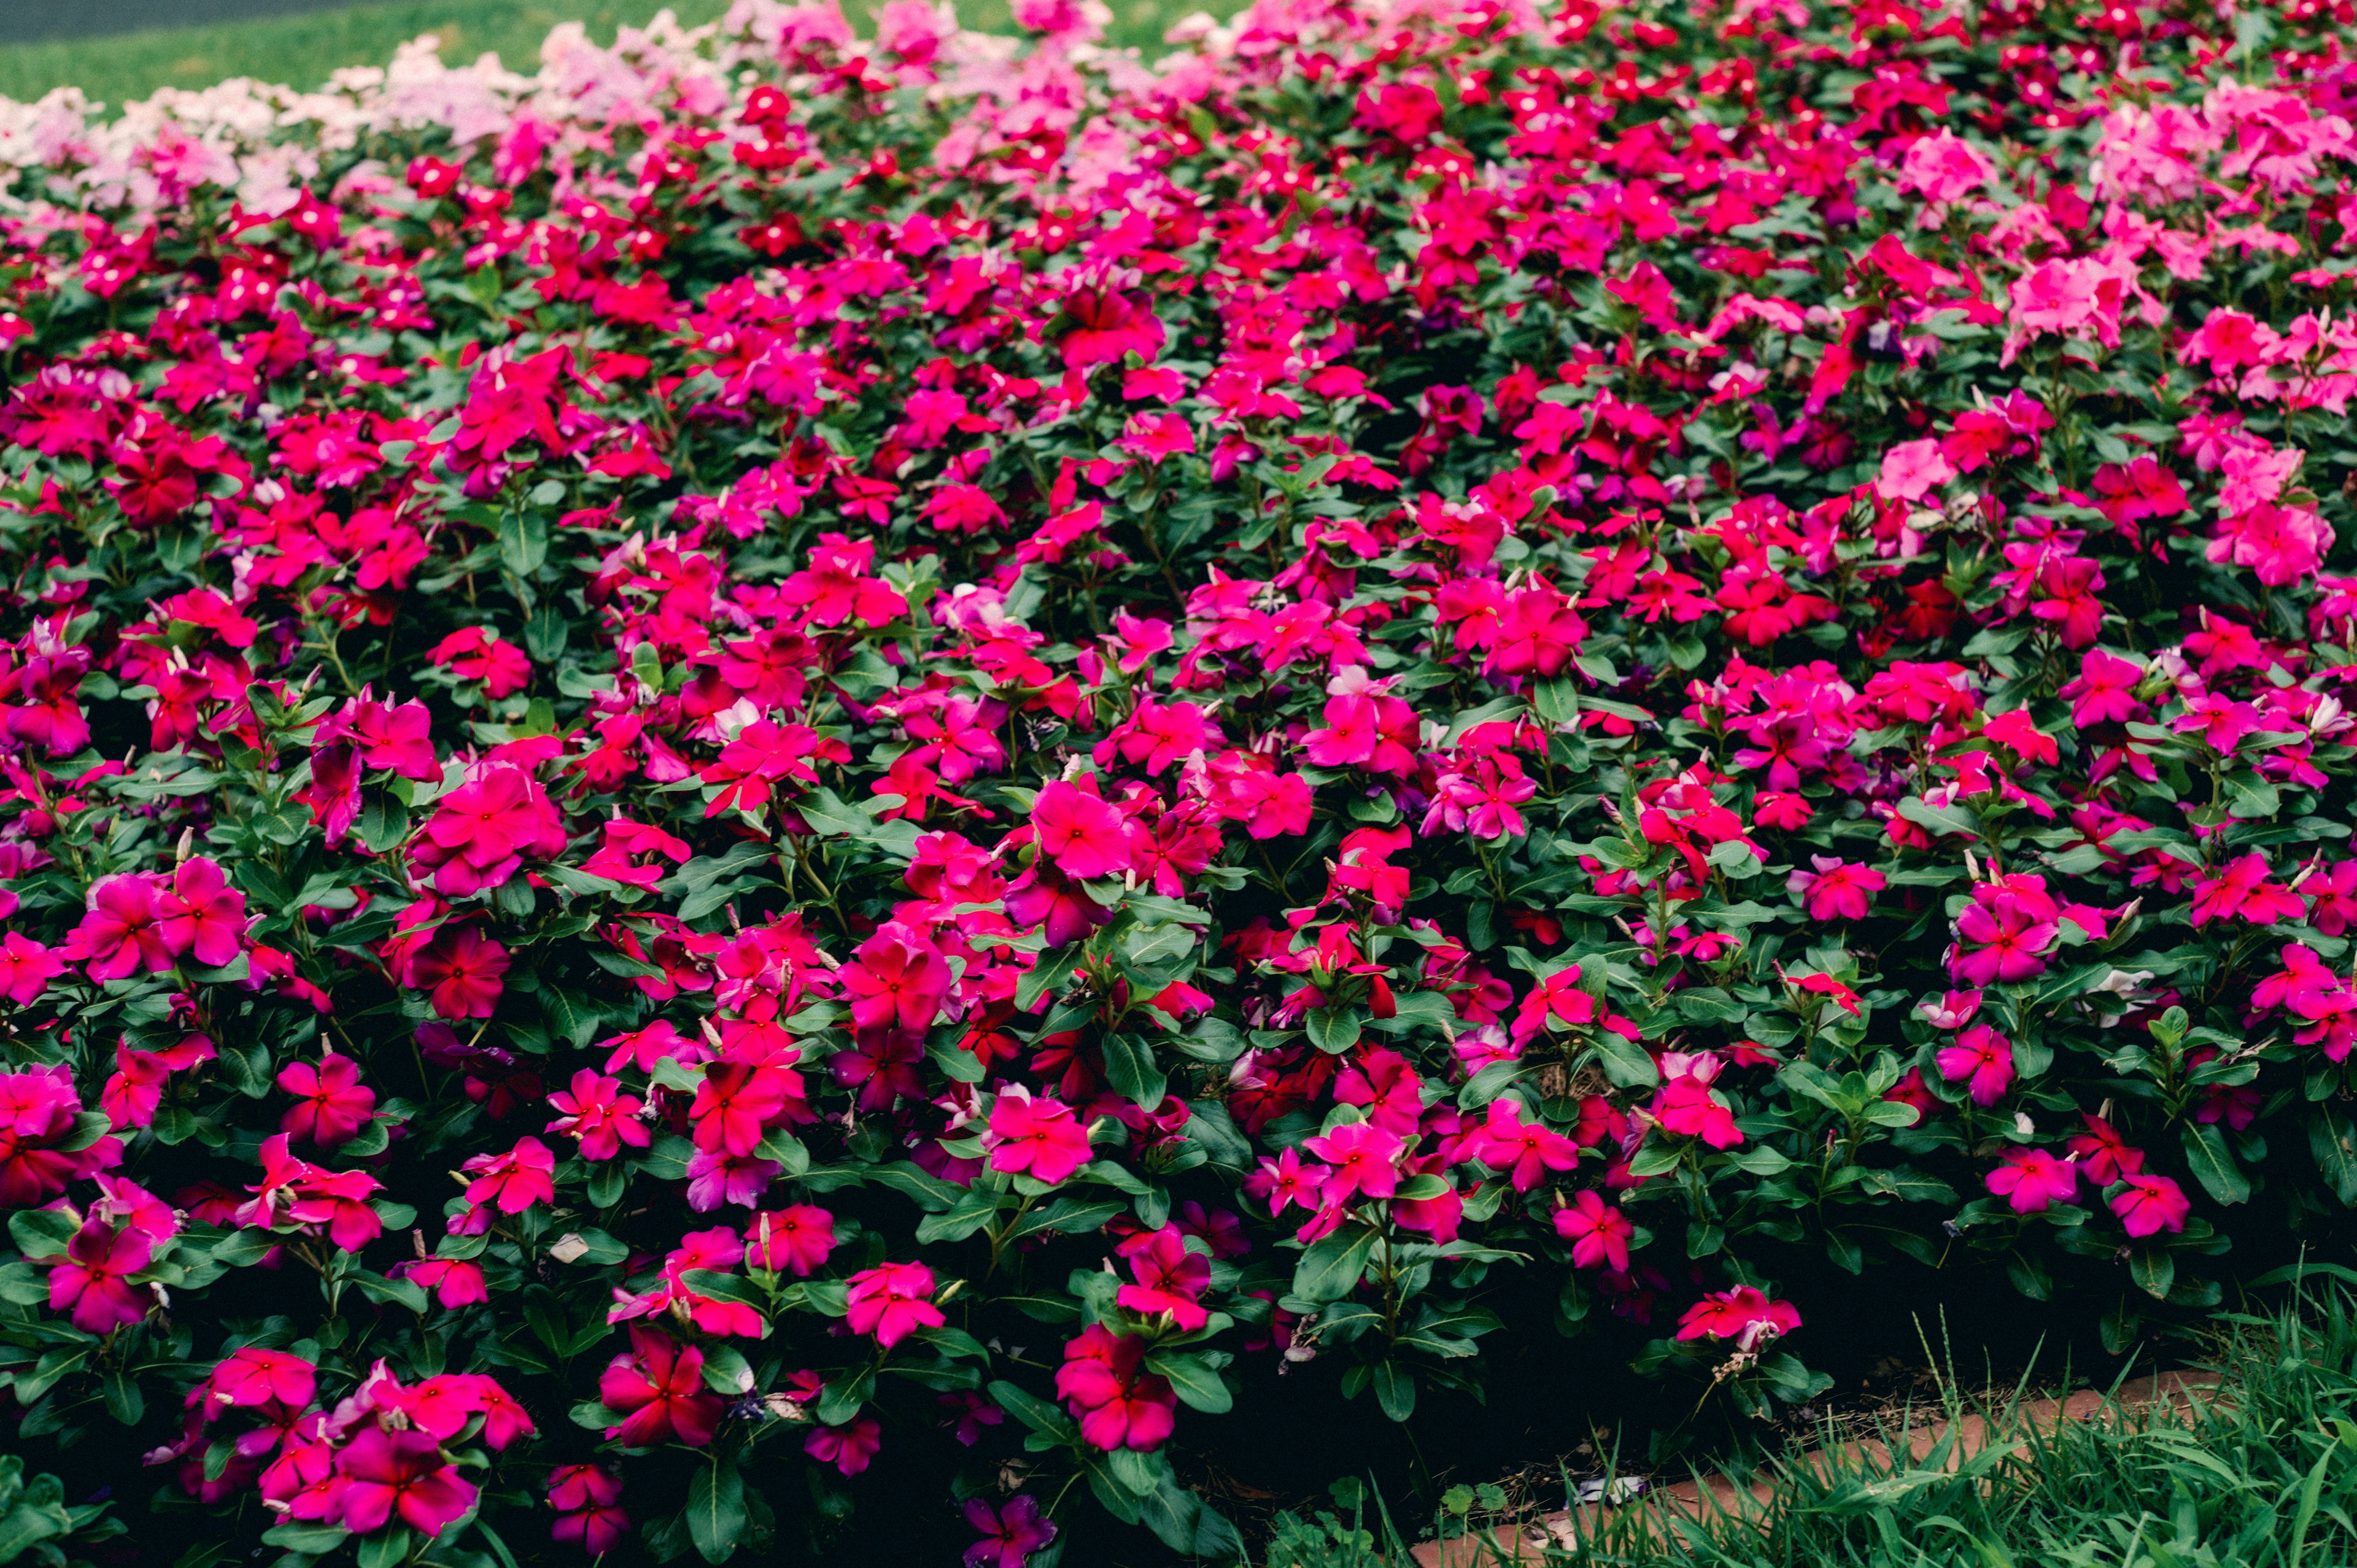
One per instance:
(694, 749)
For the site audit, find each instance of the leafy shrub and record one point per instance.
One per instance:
(777, 746)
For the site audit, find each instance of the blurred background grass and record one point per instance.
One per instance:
(303, 50)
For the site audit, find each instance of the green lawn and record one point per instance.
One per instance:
(303, 50)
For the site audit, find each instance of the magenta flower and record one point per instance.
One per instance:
(1010, 1533)
(1743, 1315)
(1364, 1160)
(2147, 1205)
(2033, 1180)
(1981, 1059)
(402, 1475)
(201, 915)
(1600, 1233)
(1035, 1137)
(892, 1302)
(1836, 889)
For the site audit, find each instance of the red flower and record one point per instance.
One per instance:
(1168, 1275)
(404, 1473)
(586, 1499)
(461, 967)
(474, 654)
(1743, 1315)
(659, 1387)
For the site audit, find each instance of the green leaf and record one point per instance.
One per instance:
(384, 821)
(1139, 1475)
(2153, 1270)
(1334, 1029)
(1332, 1266)
(2214, 1166)
(716, 1509)
(1030, 1409)
(523, 542)
(1939, 818)
(1197, 1384)
(1394, 1389)
(1624, 1061)
(2334, 1144)
(1131, 1069)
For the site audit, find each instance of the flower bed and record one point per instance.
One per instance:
(777, 746)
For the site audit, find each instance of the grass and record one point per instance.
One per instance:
(2265, 1477)
(303, 50)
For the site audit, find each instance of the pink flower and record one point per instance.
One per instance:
(2033, 1180)
(2009, 926)
(1983, 1059)
(454, 1282)
(2282, 544)
(2147, 1205)
(1952, 1011)
(1744, 1314)
(585, 1498)
(251, 1378)
(1687, 1106)
(898, 979)
(1836, 889)
(1911, 469)
(599, 1116)
(1035, 1137)
(1365, 1161)
(332, 1104)
(1598, 1232)
(1168, 1276)
(123, 932)
(847, 1447)
(2242, 890)
(1944, 166)
(93, 1278)
(514, 1181)
(891, 1304)
(202, 914)
(27, 968)
(1504, 1141)
(1118, 1403)
(1082, 834)
(798, 1237)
